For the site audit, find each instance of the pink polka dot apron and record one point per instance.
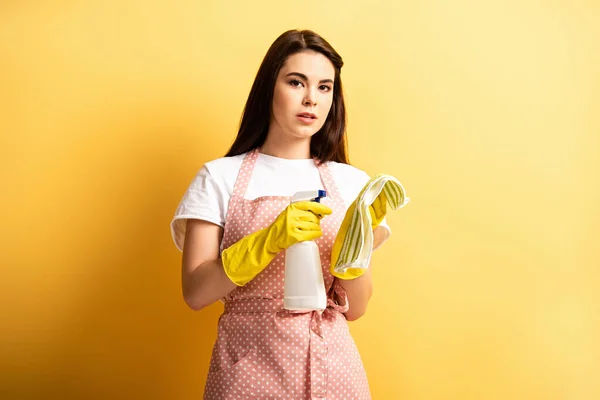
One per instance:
(265, 352)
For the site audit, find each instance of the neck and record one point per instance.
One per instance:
(286, 148)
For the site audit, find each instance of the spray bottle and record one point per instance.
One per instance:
(304, 288)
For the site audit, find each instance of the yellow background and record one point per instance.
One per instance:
(487, 111)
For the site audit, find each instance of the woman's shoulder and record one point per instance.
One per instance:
(348, 172)
(220, 171)
(224, 163)
(349, 180)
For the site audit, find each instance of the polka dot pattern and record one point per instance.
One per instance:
(265, 352)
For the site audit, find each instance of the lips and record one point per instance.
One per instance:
(307, 115)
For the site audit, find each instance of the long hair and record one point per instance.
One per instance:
(329, 143)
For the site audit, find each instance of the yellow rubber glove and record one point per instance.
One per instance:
(299, 222)
(378, 211)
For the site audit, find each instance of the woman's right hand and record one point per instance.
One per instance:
(298, 222)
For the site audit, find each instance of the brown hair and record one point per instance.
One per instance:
(329, 143)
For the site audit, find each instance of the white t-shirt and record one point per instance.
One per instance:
(207, 196)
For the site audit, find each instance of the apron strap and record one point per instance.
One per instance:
(245, 173)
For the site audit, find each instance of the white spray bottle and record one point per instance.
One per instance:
(304, 288)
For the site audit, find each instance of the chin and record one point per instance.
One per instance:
(304, 136)
(305, 133)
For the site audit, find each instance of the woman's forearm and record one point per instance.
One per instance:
(359, 293)
(359, 290)
(206, 284)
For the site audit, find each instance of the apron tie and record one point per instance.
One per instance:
(318, 348)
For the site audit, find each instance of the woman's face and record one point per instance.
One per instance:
(302, 96)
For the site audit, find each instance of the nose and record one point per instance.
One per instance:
(309, 99)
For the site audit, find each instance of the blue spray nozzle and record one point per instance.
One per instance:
(321, 194)
(309, 195)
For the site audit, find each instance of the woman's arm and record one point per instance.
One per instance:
(202, 276)
(359, 290)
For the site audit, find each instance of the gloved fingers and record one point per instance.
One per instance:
(308, 216)
(379, 206)
(310, 234)
(313, 206)
(306, 226)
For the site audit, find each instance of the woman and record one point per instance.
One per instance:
(235, 221)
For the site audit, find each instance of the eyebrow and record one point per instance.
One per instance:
(298, 74)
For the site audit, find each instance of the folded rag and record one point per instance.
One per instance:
(353, 245)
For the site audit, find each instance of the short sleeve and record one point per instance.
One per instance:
(204, 199)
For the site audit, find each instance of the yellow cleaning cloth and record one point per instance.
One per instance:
(353, 245)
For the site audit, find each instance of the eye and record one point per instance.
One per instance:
(325, 88)
(296, 83)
